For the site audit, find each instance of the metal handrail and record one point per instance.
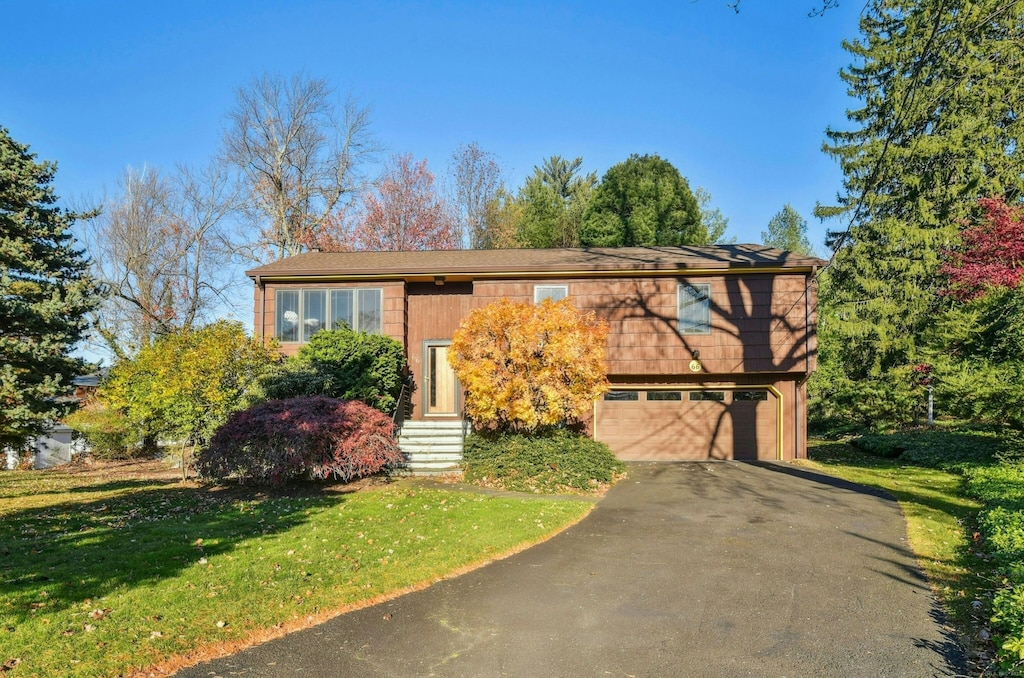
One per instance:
(402, 407)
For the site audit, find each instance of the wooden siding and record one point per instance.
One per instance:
(435, 312)
(759, 322)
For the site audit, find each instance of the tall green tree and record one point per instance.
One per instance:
(712, 220)
(552, 203)
(45, 294)
(643, 201)
(938, 127)
(787, 231)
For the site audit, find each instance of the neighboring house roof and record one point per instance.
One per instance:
(90, 380)
(533, 262)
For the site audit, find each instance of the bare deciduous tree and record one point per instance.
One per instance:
(300, 159)
(477, 180)
(158, 248)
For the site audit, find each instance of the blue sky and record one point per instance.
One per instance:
(739, 102)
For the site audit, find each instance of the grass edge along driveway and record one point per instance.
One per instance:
(939, 516)
(132, 577)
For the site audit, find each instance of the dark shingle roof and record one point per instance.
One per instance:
(532, 261)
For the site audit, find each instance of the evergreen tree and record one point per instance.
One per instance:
(938, 127)
(45, 294)
(643, 201)
(712, 220)
(552, 203)
(787, 231)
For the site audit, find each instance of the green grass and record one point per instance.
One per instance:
(940, 526)
(103, 578)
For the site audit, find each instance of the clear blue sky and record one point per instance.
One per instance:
(737, 101)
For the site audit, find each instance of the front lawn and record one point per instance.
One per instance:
(104, 577)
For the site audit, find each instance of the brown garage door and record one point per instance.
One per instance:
(641, 424)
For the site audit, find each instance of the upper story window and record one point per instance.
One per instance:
(694, 308)
(552, 292)
(302, 313)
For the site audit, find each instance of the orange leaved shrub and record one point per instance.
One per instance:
(526, 366)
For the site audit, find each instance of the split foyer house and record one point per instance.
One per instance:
(709, 348)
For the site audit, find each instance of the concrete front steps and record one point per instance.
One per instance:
(432, 447)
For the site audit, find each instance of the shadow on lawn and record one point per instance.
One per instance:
(57, 556)
(125, 484)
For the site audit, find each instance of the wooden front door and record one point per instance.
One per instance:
(441, 394)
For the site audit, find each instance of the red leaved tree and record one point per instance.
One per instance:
(991, 254)
(334, 234)
(281, 440)
(405, 212)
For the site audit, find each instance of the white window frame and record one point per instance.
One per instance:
(542, 292)
(688, 321)
(300, 321)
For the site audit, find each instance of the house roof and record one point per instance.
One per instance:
(533, 262)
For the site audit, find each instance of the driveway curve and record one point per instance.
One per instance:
(685, 569)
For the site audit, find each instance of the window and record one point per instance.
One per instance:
(314, 312)
(369, 311)
(718, 396)
(552, 292)
(342, 309)
(288, 315)
(740, 396)
(359, 309)
(302, 313)
(664, 395)
(622, 395)
(694, 308)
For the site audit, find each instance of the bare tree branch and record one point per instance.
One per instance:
(299, 158)
(477, 180)
(157, 249)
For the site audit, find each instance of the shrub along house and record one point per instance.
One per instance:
(709, 348)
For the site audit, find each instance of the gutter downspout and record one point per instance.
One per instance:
(807, 371)
(263, 309)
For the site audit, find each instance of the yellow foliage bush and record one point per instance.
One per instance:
(527, 366)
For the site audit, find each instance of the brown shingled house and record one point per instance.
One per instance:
(709, 348)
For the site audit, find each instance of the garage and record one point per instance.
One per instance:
(689, 424)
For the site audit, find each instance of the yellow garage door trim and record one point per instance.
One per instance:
(779, 409)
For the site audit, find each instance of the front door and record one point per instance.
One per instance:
(441, 391)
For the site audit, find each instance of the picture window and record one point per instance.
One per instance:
(303, 313)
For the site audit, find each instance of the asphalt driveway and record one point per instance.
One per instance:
(691, 569)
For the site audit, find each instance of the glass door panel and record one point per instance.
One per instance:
(442, 388)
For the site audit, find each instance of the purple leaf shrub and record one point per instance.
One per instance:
(310, 436)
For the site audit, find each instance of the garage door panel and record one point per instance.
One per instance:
(686, 429)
